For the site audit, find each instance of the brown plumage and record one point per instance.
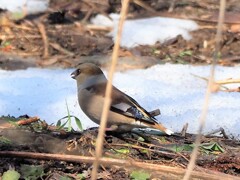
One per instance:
(124, 114)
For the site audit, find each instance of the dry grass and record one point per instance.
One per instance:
(203, 116)
(107, 101)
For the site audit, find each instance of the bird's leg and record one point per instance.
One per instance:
(146, 139)
(114, 131)
(112, 128)
(119, 131)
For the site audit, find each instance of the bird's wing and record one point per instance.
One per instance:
(130, 106)
(123, 104)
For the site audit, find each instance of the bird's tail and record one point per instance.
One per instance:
(162, 128)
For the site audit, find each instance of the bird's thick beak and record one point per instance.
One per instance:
(74, 74)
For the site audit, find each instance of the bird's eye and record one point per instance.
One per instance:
(78, 71)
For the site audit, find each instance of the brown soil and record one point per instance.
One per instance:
(173, 151)
(63, 38)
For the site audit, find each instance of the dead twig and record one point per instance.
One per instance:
(92, 27)
(221, 130)
(19, 37)
(172, 6)
(202, 173)
(28, 121)
(203, 115)
(218, 85)
(107, 100)
(228, 81)
(49, 62)
(61, 49)
(163, 147)
(23, 27)
(233, 90)
(168, 154)
(184, 130)
(43, 33)
(88, 14)
(229, 59)
(26, 54)
(144, 6)
(94, 7)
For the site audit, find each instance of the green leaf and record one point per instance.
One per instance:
(63, 118)
(5, 43)
(5, 140)
(219, 55)
(211, 147)
(11, 174)
(58, 123)
(65, 178)
(70, 125)
(31, 172)
(144, 151)
(139, 175)
(81, 176)
(176, 148)
(17, 15)
(123, 151)
(180, 148)
(14, 123)
(66, 117)
(62, 126)
(185, 53)
(79, 124)
(141, 139)
(69, 119)
(162, 139)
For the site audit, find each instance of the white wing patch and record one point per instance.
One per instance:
(140, 123)
(122, 106)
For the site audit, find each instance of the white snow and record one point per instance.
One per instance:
(26, 6)
(172, 88)
(147, 31)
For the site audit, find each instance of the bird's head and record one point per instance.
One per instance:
(85, 71)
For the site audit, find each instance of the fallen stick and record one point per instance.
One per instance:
(184, 130)
(221, 130)
(27, 121)
(218, 85)
(201, 173)
(61, 49)
(43, 33)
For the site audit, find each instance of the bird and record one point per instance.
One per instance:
(124, 114)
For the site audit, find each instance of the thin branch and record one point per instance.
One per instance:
(169, 154)
(228, 81)
(43, 33)
(107, 101)
(28, 121)
(202, 174)
(192, 162)
(61, 49)
(145, 6)
(221, 130)
(184, 130)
